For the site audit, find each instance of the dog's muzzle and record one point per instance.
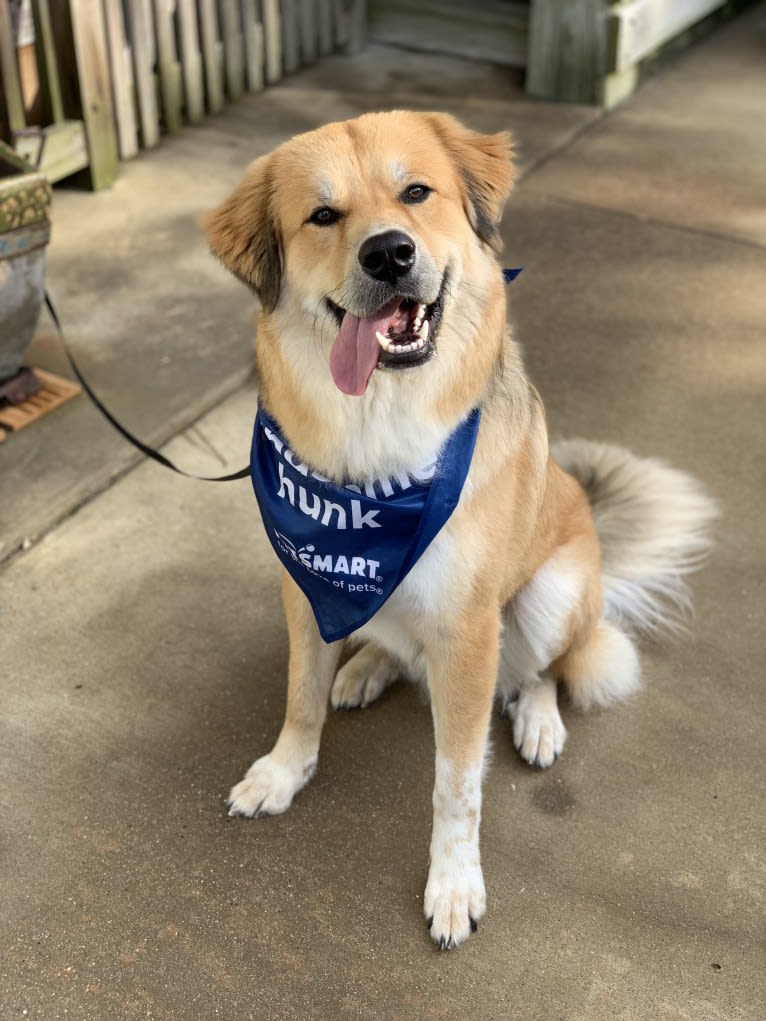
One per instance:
(393, 324)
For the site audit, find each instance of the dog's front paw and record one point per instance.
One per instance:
(363, 679)
(268, 787)
(454, 902)
(538, 730)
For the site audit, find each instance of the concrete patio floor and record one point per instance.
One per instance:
(143, 652)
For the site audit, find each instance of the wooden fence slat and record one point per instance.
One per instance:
(308, 30)
(191, 60)
(145, 64)
(272, 40)
(259, 62)
(169, 68)
(127, 132)
(14, 104)
(351, 24)
(233, 49)
(89, 34)
(324, 18)
(143, 61)
(252, 32)
(290, 36)
(340, 22)
(208, 23)
(46, 50)
(356, 19)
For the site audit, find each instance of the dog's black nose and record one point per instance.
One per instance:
(387, 256)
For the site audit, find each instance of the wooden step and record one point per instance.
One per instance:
(494, 31)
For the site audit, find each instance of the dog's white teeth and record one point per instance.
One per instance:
(384, 342)
(392, 347)
(419, 317)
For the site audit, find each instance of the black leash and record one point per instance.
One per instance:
(155, 455)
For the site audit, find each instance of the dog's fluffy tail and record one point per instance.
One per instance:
(653, 523)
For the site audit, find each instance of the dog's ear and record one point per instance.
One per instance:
(486, 169)
(244, 235)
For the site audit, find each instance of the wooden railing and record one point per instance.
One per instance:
(580, 51)
(86, 83)
(594, 51)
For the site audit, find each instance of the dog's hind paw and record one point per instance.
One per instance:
(363, 679)
(539, 734)
(268, 788)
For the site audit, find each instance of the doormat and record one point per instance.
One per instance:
(54, 392)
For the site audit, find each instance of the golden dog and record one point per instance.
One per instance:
(371, 245)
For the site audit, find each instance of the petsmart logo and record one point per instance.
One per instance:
(328, 512)
(356, 569)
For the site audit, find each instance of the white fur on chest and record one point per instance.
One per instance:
(425, 597)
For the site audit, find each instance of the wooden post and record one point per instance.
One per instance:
(14, 104)
(233, 49)
(88, 31)
(211, 54)
(290, 36)
(272, 40)
(590, 51)
(122, 86)
(566, 56)
(139, 27)
(252, 33)
(46, 55)
(351, 24)
(324, 17)
(170, 72)
(308, 30)
(191, 61)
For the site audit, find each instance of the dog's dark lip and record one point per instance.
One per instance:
(406, 359)
(336, 310)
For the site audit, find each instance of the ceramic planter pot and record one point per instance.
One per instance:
(25, 200)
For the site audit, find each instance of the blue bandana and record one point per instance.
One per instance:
(349, 547)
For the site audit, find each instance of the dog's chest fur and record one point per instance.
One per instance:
(421, 601)
(393, 430)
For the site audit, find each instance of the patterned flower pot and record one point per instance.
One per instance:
(25, 199)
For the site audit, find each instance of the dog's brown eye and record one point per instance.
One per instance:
(415, 193)
(324, 216)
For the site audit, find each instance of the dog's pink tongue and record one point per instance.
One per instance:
(355, 352)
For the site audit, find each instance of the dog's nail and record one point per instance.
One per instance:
(430, 921)
(474, 923)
